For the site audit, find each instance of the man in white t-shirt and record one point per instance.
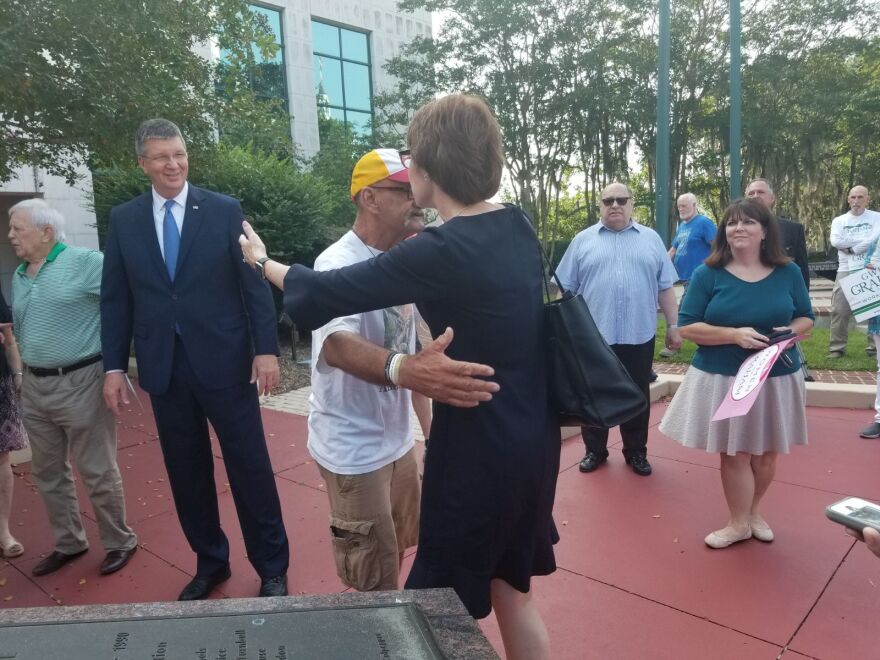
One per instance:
(852, 234)
(360, 430)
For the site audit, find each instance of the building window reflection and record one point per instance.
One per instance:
(343, 84)
(266, 73)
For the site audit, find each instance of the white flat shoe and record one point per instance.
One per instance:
(762, 531)
(722, 538)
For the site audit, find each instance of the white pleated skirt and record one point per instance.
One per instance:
(776, 421)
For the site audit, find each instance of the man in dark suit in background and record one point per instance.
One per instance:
(204, 333)
(793, 240)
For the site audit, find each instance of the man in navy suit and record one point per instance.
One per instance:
(793, 241)
(205, 341)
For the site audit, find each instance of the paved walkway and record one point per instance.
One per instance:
(819, 375)
(634, 580)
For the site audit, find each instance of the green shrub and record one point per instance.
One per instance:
(290, 209)
(556, 250)
(112, 186)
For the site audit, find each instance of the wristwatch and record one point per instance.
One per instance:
(261, 266)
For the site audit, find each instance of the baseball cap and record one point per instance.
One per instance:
(375, 166)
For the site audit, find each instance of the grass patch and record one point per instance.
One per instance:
(815, 349)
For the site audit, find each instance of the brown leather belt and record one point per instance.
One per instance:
(41, 372)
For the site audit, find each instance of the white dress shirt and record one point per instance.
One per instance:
(177, 211)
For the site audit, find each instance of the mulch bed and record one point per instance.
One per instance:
(294, 375)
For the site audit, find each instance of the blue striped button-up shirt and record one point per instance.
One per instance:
(619, 274)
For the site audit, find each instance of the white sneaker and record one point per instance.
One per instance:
(668, 353)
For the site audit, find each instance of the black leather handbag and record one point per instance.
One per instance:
(587, 383)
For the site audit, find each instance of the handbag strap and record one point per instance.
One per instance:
(544, 259)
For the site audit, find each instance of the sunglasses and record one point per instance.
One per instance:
(621, 201)
(400, 189)
(405, 158)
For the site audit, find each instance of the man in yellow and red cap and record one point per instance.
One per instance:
(360, 430)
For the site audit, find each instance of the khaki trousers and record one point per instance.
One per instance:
(840, 316)
(374, 518)
(65, 416)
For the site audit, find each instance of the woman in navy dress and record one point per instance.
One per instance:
(490, 476)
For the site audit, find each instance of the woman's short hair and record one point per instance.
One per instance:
(41, 215)
(456, 140)
(772, 253)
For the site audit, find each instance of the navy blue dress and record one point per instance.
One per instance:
(490, 475)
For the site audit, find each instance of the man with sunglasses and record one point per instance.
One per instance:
(360, 429)
(623, 271)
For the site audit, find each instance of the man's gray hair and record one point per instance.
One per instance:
(761, 180)
(689, 197)
(155, 129)
(41, 215)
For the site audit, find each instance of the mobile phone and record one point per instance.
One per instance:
(779, 335)
(855, 513)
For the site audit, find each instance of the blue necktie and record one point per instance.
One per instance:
(170, 240)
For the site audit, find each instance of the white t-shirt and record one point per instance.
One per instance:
(355, 426)
(856, 232)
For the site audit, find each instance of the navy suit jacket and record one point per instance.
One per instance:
(794, 243)
(222, 308)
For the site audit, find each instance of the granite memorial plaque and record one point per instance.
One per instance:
(380, 631)
(425, 623)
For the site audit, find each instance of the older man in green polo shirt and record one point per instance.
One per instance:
(57, 323)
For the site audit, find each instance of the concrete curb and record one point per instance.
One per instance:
(819, 395)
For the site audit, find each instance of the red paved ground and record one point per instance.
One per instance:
(634, 581)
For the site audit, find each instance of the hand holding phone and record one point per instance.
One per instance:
(855, 513)
(779, 335)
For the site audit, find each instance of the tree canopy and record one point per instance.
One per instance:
(574, 88)
(79, 76)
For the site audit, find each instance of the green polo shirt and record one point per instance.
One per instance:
(57, 313)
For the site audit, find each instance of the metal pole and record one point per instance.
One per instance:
(661, 184)
(735, 101)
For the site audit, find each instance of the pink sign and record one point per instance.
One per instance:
(750, 379)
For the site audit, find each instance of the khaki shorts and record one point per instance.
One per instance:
(374, 518)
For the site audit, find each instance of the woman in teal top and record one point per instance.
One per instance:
(746, 289)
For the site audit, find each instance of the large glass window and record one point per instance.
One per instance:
(343, 84)
(266, 76)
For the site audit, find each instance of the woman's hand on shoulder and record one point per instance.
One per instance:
(749, 338)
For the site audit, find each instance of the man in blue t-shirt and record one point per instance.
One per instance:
(691, 245)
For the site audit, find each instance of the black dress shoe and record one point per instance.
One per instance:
(591, 461)
(54, 561)
(273, 586)
(200, 587)
(639, 464)
(115, 560)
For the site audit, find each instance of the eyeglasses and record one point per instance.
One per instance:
(405, 158)
(165, 159)
(401, 189)
(621, 201)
